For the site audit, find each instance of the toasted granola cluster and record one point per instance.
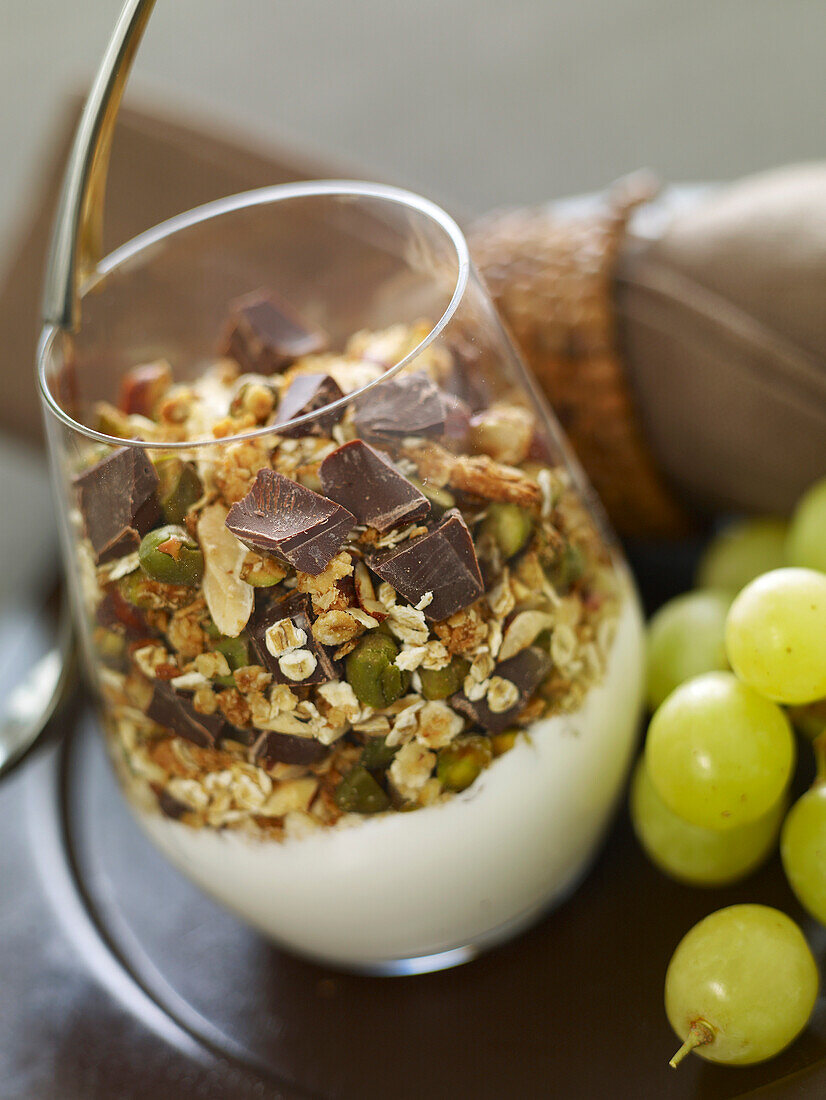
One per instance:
(271, 661)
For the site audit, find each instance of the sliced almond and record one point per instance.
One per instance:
(522, 631)
(228, 598)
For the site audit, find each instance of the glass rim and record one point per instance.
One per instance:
(241, 201)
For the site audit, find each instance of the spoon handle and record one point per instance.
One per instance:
(77, 239)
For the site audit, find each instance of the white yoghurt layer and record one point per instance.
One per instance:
(406, 885)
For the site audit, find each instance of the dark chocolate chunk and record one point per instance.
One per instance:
(457, 418)
(527, 670)
(295, 607)
(369, 485)
(265, 335)
(442, 562)
(117, 500)
(175, 712)
(170, 806)
(408, 405)
(283, 748)
(305, 394)
(472, 366)
(279, 516)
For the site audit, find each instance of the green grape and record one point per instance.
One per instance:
(689, 853)
(742, 552)
(740, 986)
(685, 637)
(776, 635)
(806, 544)
(803, 843)
(719, 754)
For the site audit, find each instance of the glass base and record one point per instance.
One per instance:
(456, 956)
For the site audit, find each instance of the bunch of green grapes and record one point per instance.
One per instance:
(709, 796)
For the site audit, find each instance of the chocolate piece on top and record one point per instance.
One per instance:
(527, 670)
(295, 610)
(442, 562)
(175, 712)
(265, 335)
(279, 516)
(305, 394)
(284, 748)
(408, 405)
(116, 498)
(369, 485)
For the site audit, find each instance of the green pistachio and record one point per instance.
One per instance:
(360, 793)
(179, 488)
(236, 651)
(109, 645)
(461, 761)
(442, 682)
(508, 526)
(372, 674)
(170, 555)
(567, 568)
(258, 397)
(131, 588)
(377, 755)
(262, 572)
(112, 421)
(503, 742)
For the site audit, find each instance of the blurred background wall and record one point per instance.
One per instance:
(476, 102)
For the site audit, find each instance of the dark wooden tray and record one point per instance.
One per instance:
(119, 979)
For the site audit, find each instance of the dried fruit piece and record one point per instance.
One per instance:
(142, 388)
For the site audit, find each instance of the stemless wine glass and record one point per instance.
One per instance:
(367, 660)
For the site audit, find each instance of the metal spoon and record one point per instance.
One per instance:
(27, 705)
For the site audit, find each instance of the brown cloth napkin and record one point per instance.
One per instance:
(723, 325)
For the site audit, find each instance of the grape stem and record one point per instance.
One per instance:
(699, 1034)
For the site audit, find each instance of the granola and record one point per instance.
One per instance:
(331, 653)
